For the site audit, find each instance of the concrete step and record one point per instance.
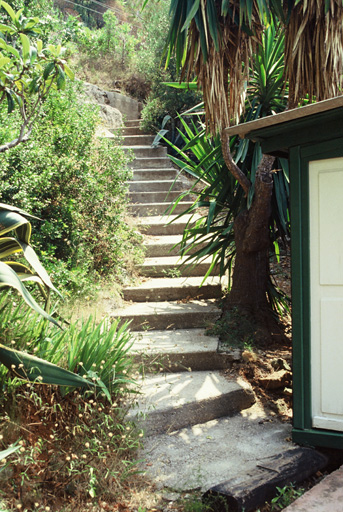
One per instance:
(132, 122)
(153, 209)
(138, 139)
(154, 174)
(174, 401)
(129, 130)
(180, 350)
(168, 245)
(171, 266)
(165, 225)
(174, 288)
(146, 151)
(168, 315)
(151, 163)
(165, 197)
(155, 185)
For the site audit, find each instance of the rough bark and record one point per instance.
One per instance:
(251, 229)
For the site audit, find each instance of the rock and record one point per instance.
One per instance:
(280, 364)
(111, 117)
(276, 380)
(126, 106)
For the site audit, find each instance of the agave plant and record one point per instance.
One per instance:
(15, 274)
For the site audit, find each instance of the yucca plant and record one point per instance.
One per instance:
(221, 195)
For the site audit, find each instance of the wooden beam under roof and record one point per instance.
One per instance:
(289, 115)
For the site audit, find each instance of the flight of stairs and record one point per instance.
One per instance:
(169, 310)
(201, 423)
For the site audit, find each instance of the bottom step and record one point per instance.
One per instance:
(174, 401)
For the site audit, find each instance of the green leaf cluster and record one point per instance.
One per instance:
(26, 67)
(87, 354)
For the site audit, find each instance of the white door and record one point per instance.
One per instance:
(326, 275)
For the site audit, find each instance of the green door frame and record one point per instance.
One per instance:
(300, 156)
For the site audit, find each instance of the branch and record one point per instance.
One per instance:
(23, 137)
(29, 120)
(237, 173)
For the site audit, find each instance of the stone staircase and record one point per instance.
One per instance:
(183, 386)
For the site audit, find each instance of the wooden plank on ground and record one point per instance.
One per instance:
(251, 490)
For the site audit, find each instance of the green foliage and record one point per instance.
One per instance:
(76, 183)
(162, 100)
(28, 71)
(220, 194)
(114, 39)
(31, 368)
(285, 496)
(97, 352)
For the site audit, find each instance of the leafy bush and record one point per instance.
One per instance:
(76, 183)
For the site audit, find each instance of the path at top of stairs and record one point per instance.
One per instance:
(200, 423)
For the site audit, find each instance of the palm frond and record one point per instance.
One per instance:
(314, 50)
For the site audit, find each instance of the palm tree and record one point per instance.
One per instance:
(216, 40)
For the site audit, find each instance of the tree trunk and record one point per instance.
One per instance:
(251, 228)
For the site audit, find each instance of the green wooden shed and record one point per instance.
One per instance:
(311, 138)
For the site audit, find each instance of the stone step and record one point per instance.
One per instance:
(154, 174)
(168, 315)
(146, 151)
(155, 185)
(129, 130)
(174, 288)
(165, 225)
(177, 400)
(167, 245)
(165, 197)
(180, 350)
(171, 266)
(153, 209)
(132, 122)
(151, 163)
(138, 140)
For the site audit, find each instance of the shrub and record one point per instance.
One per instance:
(76, 183)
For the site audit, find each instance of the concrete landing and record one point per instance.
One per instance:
(168, 315)
(180, 350)
(200, 456)
(173, 401)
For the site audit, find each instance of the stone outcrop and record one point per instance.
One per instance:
(113, 105)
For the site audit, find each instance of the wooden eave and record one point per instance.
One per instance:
(310, 124)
